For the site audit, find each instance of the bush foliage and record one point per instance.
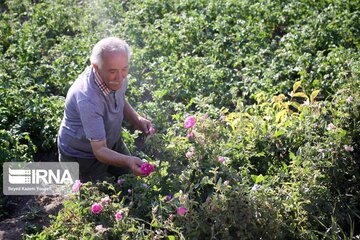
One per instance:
(273, 86)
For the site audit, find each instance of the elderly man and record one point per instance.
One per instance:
(95, 105)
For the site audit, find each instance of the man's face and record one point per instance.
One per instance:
(114, 69)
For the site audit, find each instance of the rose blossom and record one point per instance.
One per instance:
(105, 200)
(151, 131)
(189, 154)
(348, 148)
(118, 216)
(96, 208)
(181, 211)
(120, 181)
(189, 122)
(147, 168)
(330, 127)
(100, 228)
(221, 159)
(349, 99)
(76, 186)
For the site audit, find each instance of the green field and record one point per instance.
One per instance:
(273, 86)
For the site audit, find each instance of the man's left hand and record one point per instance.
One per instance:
(146, 126)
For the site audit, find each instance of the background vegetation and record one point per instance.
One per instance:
(273, 85)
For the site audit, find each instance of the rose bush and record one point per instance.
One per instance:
(226, 193)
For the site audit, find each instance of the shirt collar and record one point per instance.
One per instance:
(101, 84)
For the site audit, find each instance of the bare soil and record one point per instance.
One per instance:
(28, 213)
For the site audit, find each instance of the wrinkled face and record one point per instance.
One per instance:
(114, 69)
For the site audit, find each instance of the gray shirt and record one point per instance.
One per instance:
(90, 115)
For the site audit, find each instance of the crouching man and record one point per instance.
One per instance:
(95, 106)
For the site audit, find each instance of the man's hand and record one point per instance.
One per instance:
(138, 121)
(134, 164)
(146, 127)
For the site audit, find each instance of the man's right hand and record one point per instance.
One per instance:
(134, 164)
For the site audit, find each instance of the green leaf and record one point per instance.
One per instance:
(296, 86)
(154, 223)
(279, 133)
(280, 115)
(313, 95)
(300, 94)
(260, 178)
(171, 237)
(295, 105)
(132, 229)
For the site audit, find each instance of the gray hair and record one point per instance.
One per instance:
(110, 44)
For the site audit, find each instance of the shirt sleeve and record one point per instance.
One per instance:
(92, 120)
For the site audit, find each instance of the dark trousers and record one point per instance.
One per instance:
(91, 169)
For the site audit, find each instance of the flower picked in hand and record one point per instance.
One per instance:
(151, 131)
(147, 168)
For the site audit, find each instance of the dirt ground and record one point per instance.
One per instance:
(27, 213)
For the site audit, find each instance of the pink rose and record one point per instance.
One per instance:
(100, 228)
(151, 131)
(221, 159)
(76, 186)
(189, 122)
(105, 200)
(118, 216)
(189, 154)
(348, 148)
(181, 211)
(349, 99)
(96, 208)
(120, 181)
(147, 168)
(330, 126)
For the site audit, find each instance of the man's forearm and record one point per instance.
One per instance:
(110, 157)
(131, 115)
